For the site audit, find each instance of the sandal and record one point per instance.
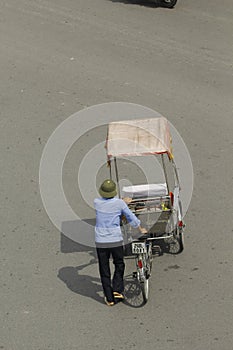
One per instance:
(109, 303)
(118, 296)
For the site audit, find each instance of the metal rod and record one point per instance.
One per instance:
(117, 177)
(158, 238)
(153, 238)
(165, 172)
(119, 194)
(110, 168)
(176, 173)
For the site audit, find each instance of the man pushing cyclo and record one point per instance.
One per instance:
(109, 239)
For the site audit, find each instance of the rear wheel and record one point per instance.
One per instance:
(173, 245)
(180, 238)
(168, 3)
(176, 242)
(180, 230)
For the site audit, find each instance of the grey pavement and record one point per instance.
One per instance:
(58, 57)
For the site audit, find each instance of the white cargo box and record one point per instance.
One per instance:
(145, 191)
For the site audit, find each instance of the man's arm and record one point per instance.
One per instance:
(132, 219)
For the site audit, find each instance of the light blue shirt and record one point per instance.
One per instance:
(108, 213)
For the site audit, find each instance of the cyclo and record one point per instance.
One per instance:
(156, 204)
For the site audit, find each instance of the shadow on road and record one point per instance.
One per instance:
(85, 285)
(145, 3)
(67, 245)
(77, 282)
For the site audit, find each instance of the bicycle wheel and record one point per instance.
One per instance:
(178, 236)
(169, 3)
(147, 273)
(176, 243)
(180, 239)
(145, 289)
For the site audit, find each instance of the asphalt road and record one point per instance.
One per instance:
(58, 57)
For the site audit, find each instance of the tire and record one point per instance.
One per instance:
(145, 283)
(145, 290)
(180, 233)
(168, 3)
(180, 239)
(149, 262)
(175, 244)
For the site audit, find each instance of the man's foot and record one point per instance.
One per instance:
(118, 296)
(109, 303)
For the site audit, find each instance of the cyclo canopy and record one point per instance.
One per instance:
(139, 137)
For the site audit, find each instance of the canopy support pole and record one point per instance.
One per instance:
(165, 172)
(176, 174)
(109, 165)
(117, 177)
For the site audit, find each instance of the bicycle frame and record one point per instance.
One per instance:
(143, 261)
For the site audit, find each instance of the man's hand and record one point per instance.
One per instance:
(142, 230)
(127, 200)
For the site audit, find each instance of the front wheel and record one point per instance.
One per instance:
(145, 289)
(145, 282)
(168, 3)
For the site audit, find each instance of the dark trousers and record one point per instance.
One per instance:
(117, 283)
